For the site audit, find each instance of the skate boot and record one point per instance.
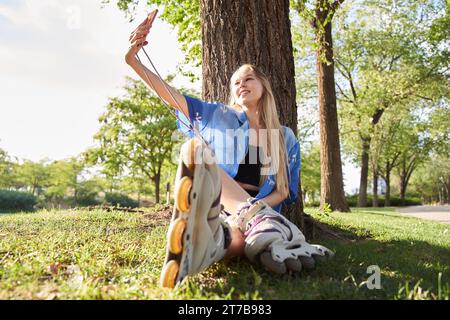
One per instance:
(274, 241)
(198, 236)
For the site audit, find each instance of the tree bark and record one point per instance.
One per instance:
(332, 186)
(256, 32)
(375, 189)
(362, 197)
(403, 182)
(387, 196)
(156, 180)
(406, 170)
(139, 197)
(448, 193)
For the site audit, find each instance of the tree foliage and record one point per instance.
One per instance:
(135, 135)
(310, 172)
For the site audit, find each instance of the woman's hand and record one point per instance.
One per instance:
(138, 36)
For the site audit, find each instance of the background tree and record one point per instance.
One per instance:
(64, 181)
(432, 180)
(6, 170)
(385, 42)
(385, 152)
(320, 18)
(311, 173)
(136, 135)
(33, 175)
(415, 149)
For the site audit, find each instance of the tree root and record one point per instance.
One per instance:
(313, 228)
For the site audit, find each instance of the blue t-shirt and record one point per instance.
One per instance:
(227, 132)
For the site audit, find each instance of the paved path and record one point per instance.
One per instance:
(436, 213)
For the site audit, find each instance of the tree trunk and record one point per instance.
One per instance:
(406, 171)
(156, 180)
(387, 196)
(402, 193)
(256, 32)
(375, 189)
(362, 197)
(448, 195)
(332, 186)
(139, 197)
(403, 183)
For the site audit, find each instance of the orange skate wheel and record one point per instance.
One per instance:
(169, 274)
(176, 230)
(182, 194)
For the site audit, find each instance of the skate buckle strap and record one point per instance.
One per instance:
(247, 213)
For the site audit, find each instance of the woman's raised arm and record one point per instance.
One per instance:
(137, 41)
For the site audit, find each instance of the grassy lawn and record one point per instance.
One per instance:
(118, 255)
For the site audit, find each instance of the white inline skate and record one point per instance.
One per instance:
(197, 236)
(275, 241)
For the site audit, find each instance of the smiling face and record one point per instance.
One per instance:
(246, 87)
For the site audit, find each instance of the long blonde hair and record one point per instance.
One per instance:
(268, 119)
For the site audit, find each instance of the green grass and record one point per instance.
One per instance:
(117, 255)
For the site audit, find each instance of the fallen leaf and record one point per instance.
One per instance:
(54, 267)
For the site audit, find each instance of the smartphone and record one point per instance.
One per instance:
(151, 16)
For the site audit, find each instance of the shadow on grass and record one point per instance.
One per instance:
(345, 277)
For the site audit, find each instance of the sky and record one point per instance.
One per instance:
(60, 61)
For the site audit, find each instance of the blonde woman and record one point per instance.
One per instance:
(253, 171)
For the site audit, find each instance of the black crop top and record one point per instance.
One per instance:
(250, 172)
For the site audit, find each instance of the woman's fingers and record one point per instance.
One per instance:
(138, 35)
(138, 38)
(140, 30)
(137, 44)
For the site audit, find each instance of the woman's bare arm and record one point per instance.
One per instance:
(274, 199)
(138, 40)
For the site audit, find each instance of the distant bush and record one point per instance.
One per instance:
(117, 199)
(86, 201)
(409, 201)
(16, 201)
(395, 201)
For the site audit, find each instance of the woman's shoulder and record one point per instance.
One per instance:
(288, 133)
(289, 137)
(216, 113)
(194, 100)
(210, 105)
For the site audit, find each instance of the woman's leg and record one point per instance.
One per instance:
(233, 195)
